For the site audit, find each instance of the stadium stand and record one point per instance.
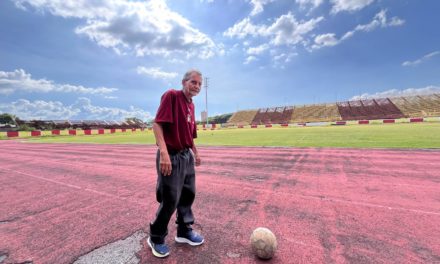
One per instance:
(369, 109)
(93, 124)
(242, 118)
(287, 115)
(76, 124)
(262, 116)
(315, 113)
(366, 109)
(389, 108)
(433, 105)
(419, 106)
(59, 124)
(273, 115)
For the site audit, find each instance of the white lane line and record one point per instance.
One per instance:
(42, 178)
(299, 242)
(76, 187)
(375, 205)
(325, 199)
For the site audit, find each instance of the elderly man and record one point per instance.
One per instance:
(175, 129)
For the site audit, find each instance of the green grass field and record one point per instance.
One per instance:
(415, 135)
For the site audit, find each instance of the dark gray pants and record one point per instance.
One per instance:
(176, 191)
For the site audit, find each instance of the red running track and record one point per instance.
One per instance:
(325, 205)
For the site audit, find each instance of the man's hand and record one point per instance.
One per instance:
(165, 163)
(197, 159)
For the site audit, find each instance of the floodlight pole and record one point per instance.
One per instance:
(206, 99)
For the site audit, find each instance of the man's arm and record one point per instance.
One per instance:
(196, 155)
(164, 161)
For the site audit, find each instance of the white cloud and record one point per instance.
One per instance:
(28, 110)
(284, 57)
(259, 6)
(257, 50)
(156, 73)
(286, 30)
(108, 113)
(142, 27)
(349, 5)
(19, 80)
(242, 29)
(176, 61)
(395, 93)
(312, 3)
(250, 59)
(280, 60)
(81, 109)
(421, 60)
(324, 40)
(379, 20)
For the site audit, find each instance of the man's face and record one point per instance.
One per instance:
(193, 85)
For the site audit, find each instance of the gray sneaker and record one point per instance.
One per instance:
(190, 237)
(159, 250)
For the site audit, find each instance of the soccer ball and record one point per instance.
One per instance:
(263, 242)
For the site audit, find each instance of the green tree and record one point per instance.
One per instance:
(219, 119)
(6, 118)
(134, 119)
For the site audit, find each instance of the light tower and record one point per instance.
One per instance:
(206, 79)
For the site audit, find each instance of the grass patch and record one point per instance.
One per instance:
(368, 136)
(405, 135)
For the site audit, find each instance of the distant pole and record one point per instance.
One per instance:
(206, 99)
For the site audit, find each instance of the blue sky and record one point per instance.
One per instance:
(111, 59)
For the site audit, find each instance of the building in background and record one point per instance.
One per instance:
(204, 115)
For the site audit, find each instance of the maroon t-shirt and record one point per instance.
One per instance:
(176, 115)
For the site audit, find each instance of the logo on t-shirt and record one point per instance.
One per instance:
(188, 116)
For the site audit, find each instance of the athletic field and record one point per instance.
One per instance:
(406, 135)
(354, 194)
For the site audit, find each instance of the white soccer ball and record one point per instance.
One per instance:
(263, 242)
